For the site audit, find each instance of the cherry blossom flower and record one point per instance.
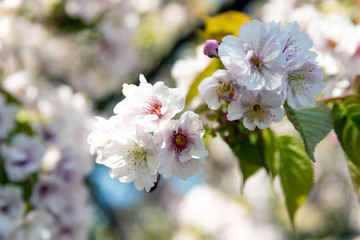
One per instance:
(132, 156)
(220, 86)
(7, 117)
(22, 157)
(258, 109)
(255, 59)
(11, 209)
(296, 44)
(182, 151)
(38, 224)
(49, 193)
(211, 48)
(302, 82)
(67, 203)
(102, 133)
(72, 167)
(150, 106)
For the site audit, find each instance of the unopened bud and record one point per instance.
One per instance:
(211, 48)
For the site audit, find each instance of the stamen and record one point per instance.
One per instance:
(225, 90)
(179, 141)
(153, 107)
(136, 154)
(256, 111)
(256, 60)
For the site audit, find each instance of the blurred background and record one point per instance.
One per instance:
(66, 61)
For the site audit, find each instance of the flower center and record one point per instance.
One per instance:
(256, 111)
(153, 107)
(138, 154)
(225, 90)
(300, 80)
(179, 141)
(256, 61)
(135, 155)
(256, 107)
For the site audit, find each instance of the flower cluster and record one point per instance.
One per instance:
(143, 140)
(265, 66)
(43, 164)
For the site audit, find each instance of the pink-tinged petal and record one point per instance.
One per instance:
(166, 163)
(168, 155)
(197, 147)
(190, 123)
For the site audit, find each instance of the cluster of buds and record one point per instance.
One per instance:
(143, 140)
(265, 66)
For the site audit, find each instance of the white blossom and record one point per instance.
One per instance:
(22, 157)
(102, 133)
(220, 86)
(150, 105)
(67, 203)
(302, 82)
(132, 156)
(255, 59)
(182, 151)
(257, 109)
(11, 209)
(72, 165)
(39, 224)
(296, 44)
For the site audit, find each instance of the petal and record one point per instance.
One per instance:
(249, 124)
(277, 114)
(187, 169)
(235, 111)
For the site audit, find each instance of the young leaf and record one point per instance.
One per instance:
(9, 98)
(247, 147)
(227, 23)
(313, 124)
(247, 170)
(347, 126)
(296, 173)
(355, 175)
(357, 84)
(271, 157)
(207, 72)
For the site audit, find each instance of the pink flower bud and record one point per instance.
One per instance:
(211, 48)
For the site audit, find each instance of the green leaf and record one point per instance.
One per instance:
(296, 173)
(355, 175)
(9, 98)
(227, 23)
(271, 153)
(247, 170)
(247, 147)
(313, 124)
(357, 84)
(207, 72)
(347, 126)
